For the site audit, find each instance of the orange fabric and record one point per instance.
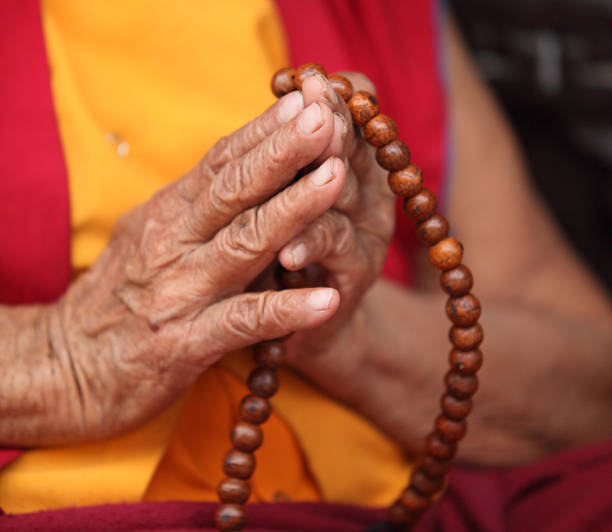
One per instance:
(142, 89)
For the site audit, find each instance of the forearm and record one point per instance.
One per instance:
(39, 397)
(546, 381)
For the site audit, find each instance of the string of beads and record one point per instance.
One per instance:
(462, 308)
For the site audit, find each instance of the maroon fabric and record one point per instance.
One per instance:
(395, 43)
(569, 492)
(34, 216)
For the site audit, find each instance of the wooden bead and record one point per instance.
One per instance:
(455, 408)
(234, 490)
(263, 382)
(381, 130)
(432, 230)
(406, 182)
(446, 254)
(291, 279)
(254, 409)
(463, 310)
(434, 467)
(238, 464)
(466, 338)
(465, 362)
(230, 517)
(342, 86)
(425, 484)
(398, 515)
(246, 436)
(460, 386)
(457, 281)
(439, 449)
(270, 354)
(413, 501)
(363, 106)
(450, 430)
(421, 206)
(393, 156)
(283, 82)
(306, 70)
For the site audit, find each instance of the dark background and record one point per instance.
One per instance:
(550, 63)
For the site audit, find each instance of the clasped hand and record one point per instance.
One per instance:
(180, 283)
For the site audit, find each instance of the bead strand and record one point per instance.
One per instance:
(462, 308)
(246, 436)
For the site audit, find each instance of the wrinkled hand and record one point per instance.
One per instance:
(166, 299)
(349, 241)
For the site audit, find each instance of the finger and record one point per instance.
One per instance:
(317, 88)
(329, 237)
(245, 319)
(260, 173)
(350, 199)
(242, 249)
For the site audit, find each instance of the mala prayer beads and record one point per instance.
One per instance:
(462, 308)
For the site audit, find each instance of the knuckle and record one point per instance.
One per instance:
(226, 192)
(344, 236)
(220, 153)
(242, 316)
(246, 237)
(277, 153)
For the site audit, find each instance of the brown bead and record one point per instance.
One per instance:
(463, 310)
(363, 106)
(457, 282)
(398, 515)
(434, 467)
(465, 362)
(393, 156)
(466, 338)
(450, 430)
(342, 86)
(413, 501)
(461, 386)
(425, 484)
(381, 130)
(446, 254)
(291, 279)
(238, 464)
(263, 382)
(406, 182)
(432, 230)
(246, 436)
(254, 409)
(230, 517)
(234, 490)
(270, 354)
(439, 449)
(306, 70)
(283, 82)
(421, 206)
(455, 408)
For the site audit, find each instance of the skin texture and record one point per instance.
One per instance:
(166, 299)
(546, 381)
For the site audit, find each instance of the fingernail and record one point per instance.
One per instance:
(328, 92)
(311, 118)
(343, 122)
(290, 105)
(320, 298)
(324, 174)
(299, 255)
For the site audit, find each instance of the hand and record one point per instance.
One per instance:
(349, 241)
(165, 299)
